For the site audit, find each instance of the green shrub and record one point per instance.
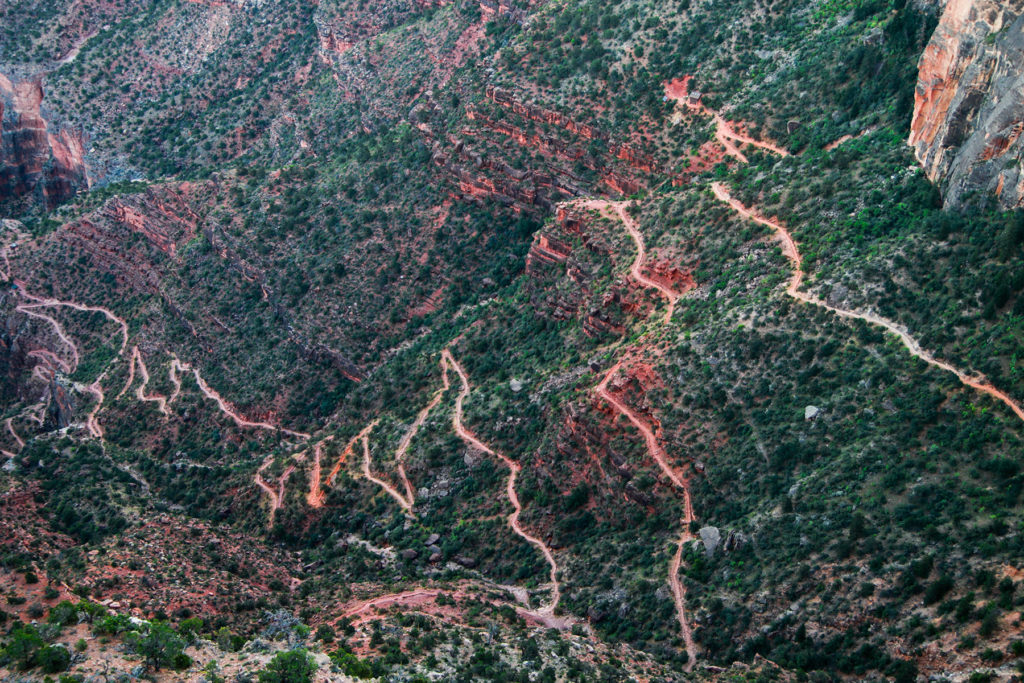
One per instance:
(53, 659)
(351, 665)
(295, 666)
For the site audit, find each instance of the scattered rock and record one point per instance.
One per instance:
(467, 562)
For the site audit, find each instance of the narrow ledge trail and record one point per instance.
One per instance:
(546, 613)
(792, 253)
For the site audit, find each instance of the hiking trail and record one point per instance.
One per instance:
(547, 612)
(792, 252)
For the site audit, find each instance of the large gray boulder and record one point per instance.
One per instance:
(710, 536)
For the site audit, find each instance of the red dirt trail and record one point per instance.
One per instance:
(222, 403)
(678, 91)
(636, 269)
(792, 252)
(547, 612)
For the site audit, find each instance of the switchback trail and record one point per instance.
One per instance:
(140, 391)
(792, 252)
(657, 452)
(276, 497)
(225, 407)
(654, 447)
(547, 612)
(678, 91)
(636, 269)
(348, 451)
(405, 504)
(403, 445)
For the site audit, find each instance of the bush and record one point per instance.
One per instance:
(160, 645)
(53, 659)
(351, 665)
(289, 667)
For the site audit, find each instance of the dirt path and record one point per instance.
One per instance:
(725, 134)
(222, 403)
(52, 359)
(846, 138)
(140, 392)
(10, 428)
(657, 452)
(546, 612)
(633, 228)
(410, 598)
(403, 446)
(348, 451)
(405, 504)
(276, 496)
(315, 497)
(792, 252)
(41, 302)
(651, 441)
(68, 367)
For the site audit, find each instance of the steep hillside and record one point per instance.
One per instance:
(612, 340)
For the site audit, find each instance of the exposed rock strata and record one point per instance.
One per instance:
(969, 103)
(39, 162)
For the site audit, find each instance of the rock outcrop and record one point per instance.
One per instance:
(38, 161)
(969, 103)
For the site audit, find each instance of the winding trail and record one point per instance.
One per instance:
(654, 446)
(348, 451)
(68, 367)
(10, 428)
(405, 504)
(546, 612)
(222, 403)
(276, 497)
(657, 452)
(140, 391)
(792, 252)
(406, 441)
(727, 136)
(51, 358)
(633, 228)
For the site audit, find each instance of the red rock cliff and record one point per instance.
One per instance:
(38, 162)
(969, 103)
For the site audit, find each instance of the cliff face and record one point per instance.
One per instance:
(37, 161)
(969, 103)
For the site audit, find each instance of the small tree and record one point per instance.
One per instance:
(295, 666)
(160, 645)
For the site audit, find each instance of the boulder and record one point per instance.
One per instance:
(409, 554)
(710, 536)
(432, 539)
(467, 562)
(811, 412)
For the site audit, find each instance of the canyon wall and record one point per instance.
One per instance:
(969, 102)
(38, 162)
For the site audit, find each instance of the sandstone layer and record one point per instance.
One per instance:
(969, 102)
